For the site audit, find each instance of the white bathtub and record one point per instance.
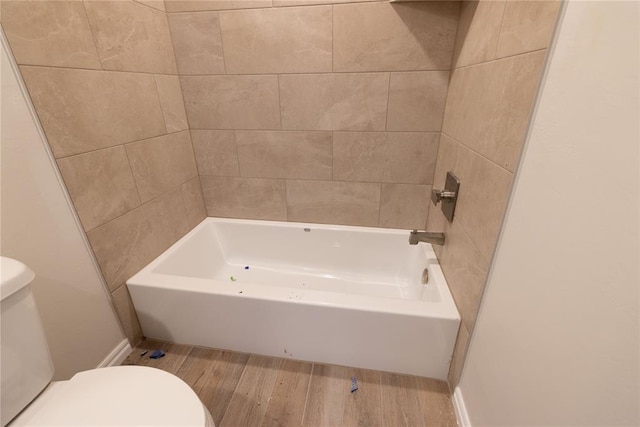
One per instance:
(332, 294)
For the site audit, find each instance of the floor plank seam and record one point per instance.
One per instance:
(306, 398)
(235, 389)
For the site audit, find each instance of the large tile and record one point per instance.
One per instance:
(100, 184)
(396, 157)
(131, 37)
(328, 202)
(216, 152)
(232, 102)
(197, 43)
(170, 94)
(162, 163)
(465, 270)
(86, 110)
(203, 5)
(53, 33)
(527, 26)
(394, 37)
(127, 314)
(417, 100)
(334, 101)
(129, 242)
(478, 32)
(488, 106)
(277, 154)
(193, 202)
(482, 200)
(459, 356)
(251, 198)
(404, 205)
(281, 40)
(484, 192)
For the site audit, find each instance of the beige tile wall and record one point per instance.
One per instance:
(499, 56)
(103, 78)
(329, 111)
(317, 111)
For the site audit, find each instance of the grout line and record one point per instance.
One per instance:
(475, 246)
(235, 144)
(224, 61)
(284, 6)
(173, 49)
(122, 143)
(93, 37)
(333, 155)
(280, 102)
(429, 132)
(305, 73)
(244, 369)
(478, 64)
(286, 201)
(135, 183)
(476, 152)
(333, 37)
(314, 180)
(306, 398)
(433, 181)
(195, 156)
(308, 73)
(504, 12)
(386, 118)
(446, 99)
(455, 57)
(101, 69)
(150, 7)
(379, 202)
(420, 400)
(164, 117)
(184, 361)
(381, 388)
(142, 204)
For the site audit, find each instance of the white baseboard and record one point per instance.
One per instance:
(117, 355)
(460, 408)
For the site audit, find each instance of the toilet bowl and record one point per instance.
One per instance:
(117, 396)
(113, 396)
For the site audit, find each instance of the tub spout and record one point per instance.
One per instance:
(427, 237)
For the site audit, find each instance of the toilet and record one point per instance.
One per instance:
(113, 396)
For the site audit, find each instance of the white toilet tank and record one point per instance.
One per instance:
(26, 365)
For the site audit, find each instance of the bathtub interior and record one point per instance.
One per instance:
(351, 260)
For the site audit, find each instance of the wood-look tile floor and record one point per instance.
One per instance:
(249, 390)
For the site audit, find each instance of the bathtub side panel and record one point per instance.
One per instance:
(383, 341)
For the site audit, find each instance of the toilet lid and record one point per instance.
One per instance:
(117, 396)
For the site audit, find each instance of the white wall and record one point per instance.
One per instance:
(557, 339)
(38, 227)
